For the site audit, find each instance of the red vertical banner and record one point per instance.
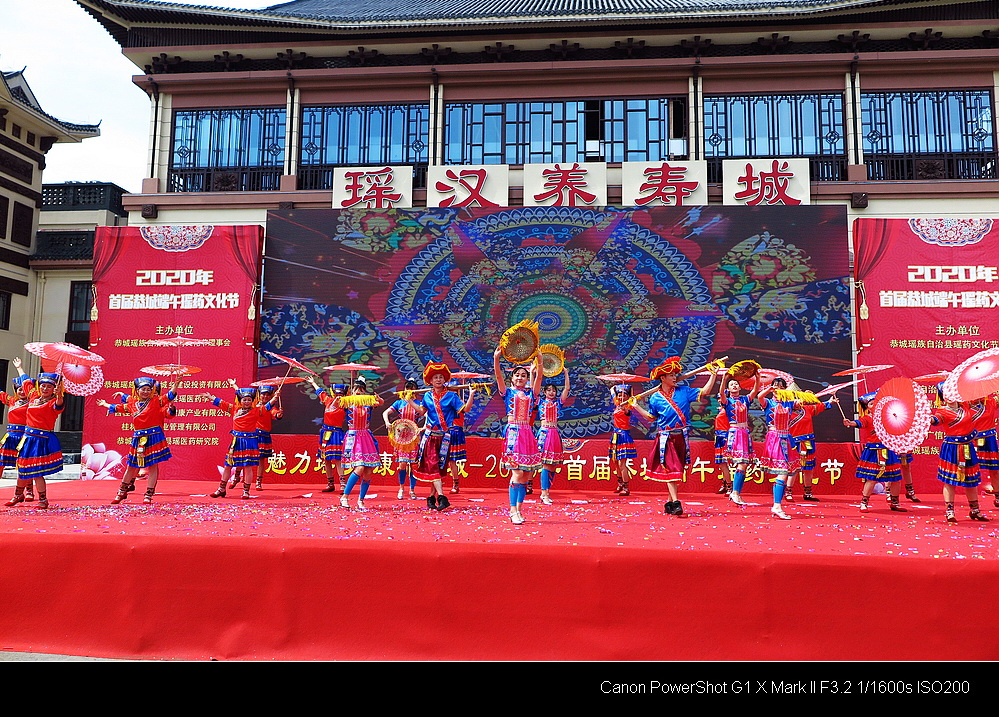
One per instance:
(927, 295)
(159, 282)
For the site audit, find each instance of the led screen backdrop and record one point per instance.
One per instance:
(618, 289)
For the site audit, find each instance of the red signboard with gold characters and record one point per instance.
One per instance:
(182, 298)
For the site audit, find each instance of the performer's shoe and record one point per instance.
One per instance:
(530, 487)
(736, 498)
(546, 499)
(442, 502)
(360, 504)
(896, 507)
(455, 488)
(344, 503)
(978, 515)
(246, 493)
(865, 505)
(330, 487)
(516, 518)
(809, 497)
(29, 494)
(43, 501)
(412, 495)
(260, 486)
(723, 489)
(432, 502)
(402, 494)
(148, 497)
(778, 512)
(673, 507)
(233, 482)
(910, 495)
(625, 491)
(18, 498)
(219, 492)
(951, 516)
(788, 496)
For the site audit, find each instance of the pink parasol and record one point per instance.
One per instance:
(975, 378)
(468, 375)
(901, 414)
(292, 363)
(170, 369)
(828, 390)
(82, 380)
(624, 378)
(864, 369)
(932, 379)
(350, 367)
(64, 353)
(278, 381)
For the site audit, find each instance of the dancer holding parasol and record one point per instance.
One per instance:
(244, 450)
(332, 432)
(148, 409)
(521, 454)
(40, 453)
(17, 416)
(877, 462)
(405, 442)
(739, 442)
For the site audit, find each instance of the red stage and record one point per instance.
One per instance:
(288, 575)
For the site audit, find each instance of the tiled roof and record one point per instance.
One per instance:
(361, 13)
(21, 92)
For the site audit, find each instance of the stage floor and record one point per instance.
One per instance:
(835, 525)
(289, 574)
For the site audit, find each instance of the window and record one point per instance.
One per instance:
(5, 301)
(22, 223)
(79, 306)
(745, 126)
(4, 211)
(227, 150)
(611, 130)
(928, 135)
(360, 136)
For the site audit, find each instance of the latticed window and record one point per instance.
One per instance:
(361, 136)
(806, 125)
(227, 150)
(928, 135)
(611, 130)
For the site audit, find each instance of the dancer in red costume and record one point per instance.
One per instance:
(264, 425)
(877, 462)
(803, 436)
(244, 450)
(360, 449)
(622, 446)
(148, 410)
(739, 442)
(958, 465)
(779, 456)
(986, 448)
(17, 416)
(40, 454)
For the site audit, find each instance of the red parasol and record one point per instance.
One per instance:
(975, 378)
(64, 353)
(82, 380)
(828, 390)
(468, 375)
(278, 381)
(291, 362)
(623, 378)
(901, 414)
(350, 367)
(864, 369)
(170, 369)
(932, 379)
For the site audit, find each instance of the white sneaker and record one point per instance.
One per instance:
(516, 518)
(778, 512)
(402, 494)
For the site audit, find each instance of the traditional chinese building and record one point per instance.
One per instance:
(883, 107)
(27, 133)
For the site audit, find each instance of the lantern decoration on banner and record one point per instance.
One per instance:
(901, 414)
(975, 378)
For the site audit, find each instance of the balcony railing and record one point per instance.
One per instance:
(926, 167)
(225, 179)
